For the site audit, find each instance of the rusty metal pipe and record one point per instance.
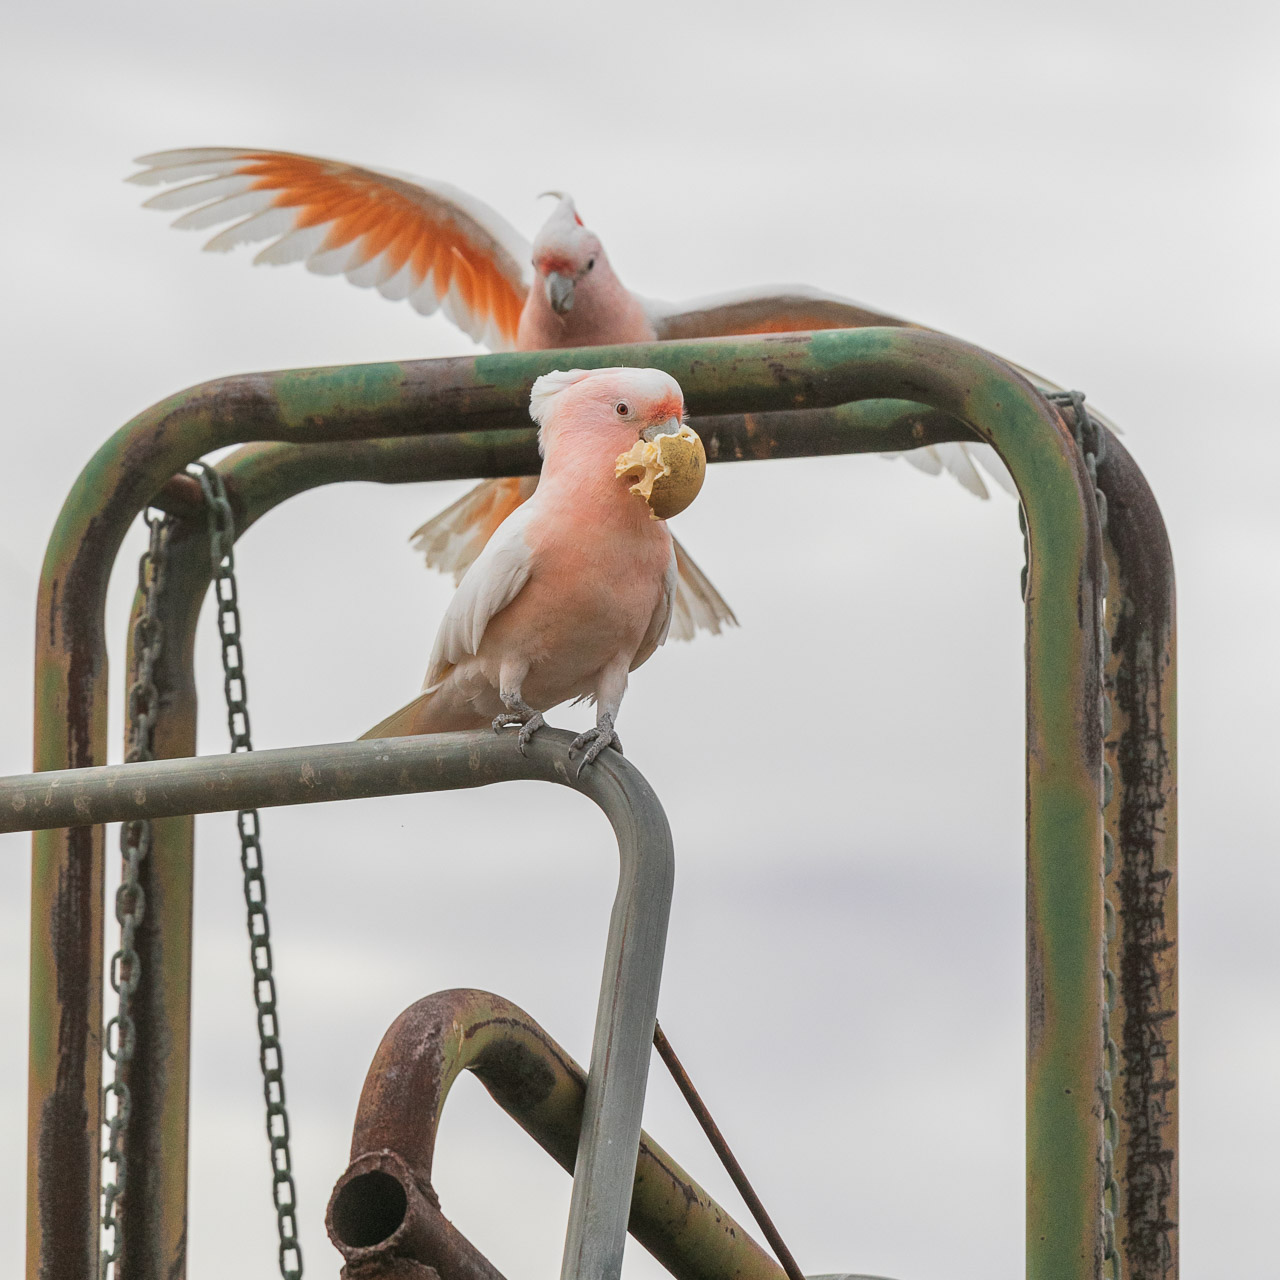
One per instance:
(384, 1215)
(486, 393)
(258, 478)
(1142, 820)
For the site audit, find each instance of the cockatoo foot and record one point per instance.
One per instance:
(595, 740)
(529, 725)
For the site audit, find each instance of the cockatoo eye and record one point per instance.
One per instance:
(622, 409)
(591, 262)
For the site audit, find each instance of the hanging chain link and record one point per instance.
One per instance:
(270, 1055)
(125, 970)
(1092, 442)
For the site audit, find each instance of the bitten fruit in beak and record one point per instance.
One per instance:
(670, 468)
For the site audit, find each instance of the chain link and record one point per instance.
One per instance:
(125, 970)
(1092, 442)
(270, 1055)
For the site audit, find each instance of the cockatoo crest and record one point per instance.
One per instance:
(550, 385)
(626, 380)
(564, 244)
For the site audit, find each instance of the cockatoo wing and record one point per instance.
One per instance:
(452, 540)
(407, 237)
(781, 308)
(697, 604)
(660, 624)
(786, 308)
(793, 307)
(492, 583)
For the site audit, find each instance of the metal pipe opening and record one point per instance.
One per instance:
(370, 1209)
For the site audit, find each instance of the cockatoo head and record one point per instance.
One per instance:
(622, 404)
(626, 423)
(566, 255)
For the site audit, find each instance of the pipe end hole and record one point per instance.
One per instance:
(369, 1209)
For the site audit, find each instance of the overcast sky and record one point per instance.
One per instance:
(1090, 189)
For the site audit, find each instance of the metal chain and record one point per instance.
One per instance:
(1091, 440)
(270, 1055)
(125, 970)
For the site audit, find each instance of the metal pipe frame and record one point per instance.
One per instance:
(384, 1209)
(788, 395)
(628, 1002)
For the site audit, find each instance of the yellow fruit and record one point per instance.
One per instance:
(670, 470)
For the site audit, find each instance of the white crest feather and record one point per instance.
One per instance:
(550, 385)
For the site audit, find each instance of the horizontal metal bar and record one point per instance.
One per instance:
(307, 775)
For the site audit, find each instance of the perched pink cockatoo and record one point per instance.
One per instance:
(443, 249)
(576, 587)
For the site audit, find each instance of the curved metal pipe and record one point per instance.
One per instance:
(604, 1165)
(384, 1211)
(362, 403)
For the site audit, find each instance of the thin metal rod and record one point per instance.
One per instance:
(727, 1158)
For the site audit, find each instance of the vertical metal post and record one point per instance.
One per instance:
(154, 1213)
(64, 1081)
(1142, 820)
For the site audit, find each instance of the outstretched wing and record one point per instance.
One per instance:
(407, 237)
(781, 308)
(492, 583)
(794, 307)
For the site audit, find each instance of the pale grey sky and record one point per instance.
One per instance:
(1090, 189)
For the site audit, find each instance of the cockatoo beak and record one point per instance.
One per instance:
(669, 428)
(560, 292)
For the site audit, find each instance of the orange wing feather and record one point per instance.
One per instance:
(408, 237)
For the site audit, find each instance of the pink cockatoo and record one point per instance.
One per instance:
(576, 587)
(443, 249)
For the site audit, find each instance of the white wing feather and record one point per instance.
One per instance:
(697, 604)
(660, 624)
(492, 583)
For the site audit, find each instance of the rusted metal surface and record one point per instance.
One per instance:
(384, 1211)
(758, 377)
(727, 1158)
(1142, 821)
(153, 1224)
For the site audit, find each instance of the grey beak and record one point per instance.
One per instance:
(669, 428)
(560, 292)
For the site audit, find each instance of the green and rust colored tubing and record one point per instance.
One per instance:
(258, 477)
(384, 1208)
(476, 407)
(1142, 820)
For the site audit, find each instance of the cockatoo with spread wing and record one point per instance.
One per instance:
(576, 587)
(441, 249)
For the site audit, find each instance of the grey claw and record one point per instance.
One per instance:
(598, 738)
(528, 729)
(529, 725)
